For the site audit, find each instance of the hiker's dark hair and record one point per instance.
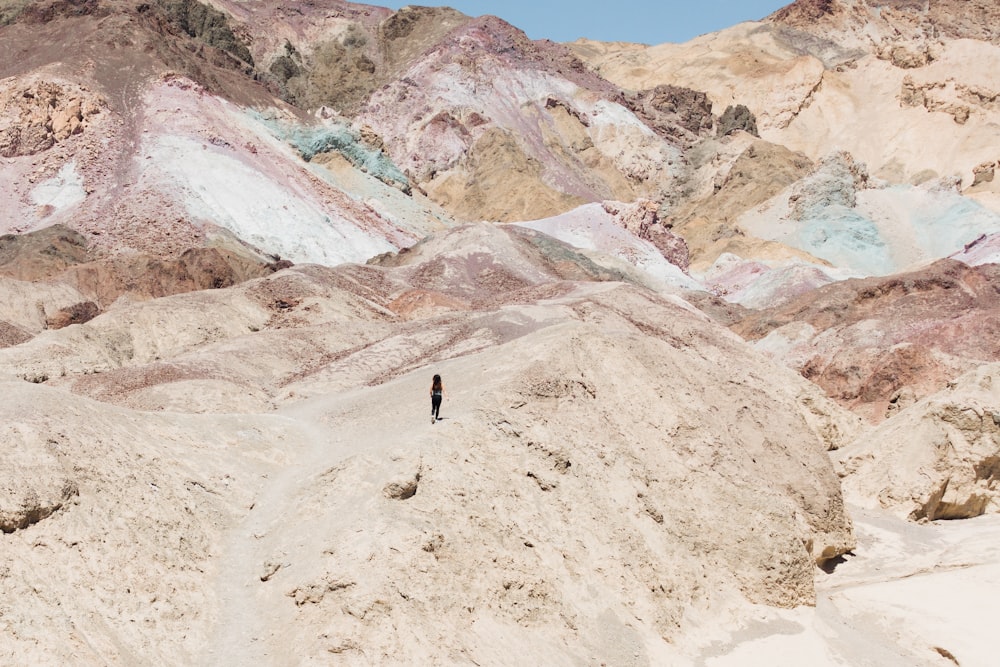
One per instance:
(436, 382)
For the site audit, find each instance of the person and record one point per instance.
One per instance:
(437, 393)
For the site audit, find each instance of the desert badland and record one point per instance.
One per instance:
(718, 322)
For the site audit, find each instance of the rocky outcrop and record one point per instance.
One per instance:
(806, 12)
(939, 458)
(679, 114)
(835, 182)
(202, 22)
(907, 57)
(333, 55)
(984, 173)
(642, 219)
(49, 10)
(26, 308)
(735, 118)
(35, 117)
(34, 485)
(953, 98)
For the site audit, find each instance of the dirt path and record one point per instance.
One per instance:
(235, 640)
(324, 432)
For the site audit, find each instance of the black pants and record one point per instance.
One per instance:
(435, 404)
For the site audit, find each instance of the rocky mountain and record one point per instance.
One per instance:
(717, 323)
(820, 78)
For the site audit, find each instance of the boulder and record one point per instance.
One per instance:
(737, 118)
(34, 485)
(78, 313)
(938, 459)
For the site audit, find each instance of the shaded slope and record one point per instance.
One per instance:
(57, 254)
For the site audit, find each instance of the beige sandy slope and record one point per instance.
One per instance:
(576, 501)
(574, 505)
(539, 445)
(139, 503)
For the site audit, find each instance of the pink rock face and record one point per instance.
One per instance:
(757, 285)
(867, 340)
(485, 96)
(733, 277)
(642, 219)
(195, 163)
(983, 250)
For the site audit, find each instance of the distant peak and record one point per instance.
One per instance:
(802, 11)
(896, 19)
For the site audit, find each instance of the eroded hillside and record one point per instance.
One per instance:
(563, 394)
(717, 324)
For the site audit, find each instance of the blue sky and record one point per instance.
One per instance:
(646, 21)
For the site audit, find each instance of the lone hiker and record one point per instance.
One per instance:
(437, 393)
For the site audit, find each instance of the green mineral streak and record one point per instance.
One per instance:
(312, 141)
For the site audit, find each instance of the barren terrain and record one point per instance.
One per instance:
(717, 323)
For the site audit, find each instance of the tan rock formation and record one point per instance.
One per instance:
(36, 115)
(642, 219)
(498, 182)
(938, 459)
